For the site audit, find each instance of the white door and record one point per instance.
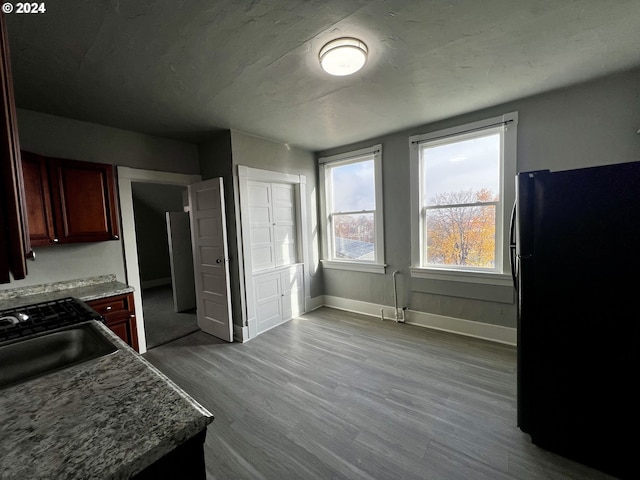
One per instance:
(284, 223)
(210, 258)
(268, 301)
(261, 224)
(181, 260)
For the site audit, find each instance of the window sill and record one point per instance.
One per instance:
(486, 278)
(354, 266)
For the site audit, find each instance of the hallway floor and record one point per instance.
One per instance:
(162, 323)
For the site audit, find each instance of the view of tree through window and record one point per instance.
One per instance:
(461, 179)
(352, 207)
(463, 235)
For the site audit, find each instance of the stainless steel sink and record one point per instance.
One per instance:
(30, 357)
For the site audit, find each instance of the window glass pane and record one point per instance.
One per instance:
(472, 164)
(353, 187)
(461, 236)
(354, 236)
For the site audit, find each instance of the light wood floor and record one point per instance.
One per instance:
(334, 395)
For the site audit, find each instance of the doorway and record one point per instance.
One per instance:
(166, 318)
(127, 177)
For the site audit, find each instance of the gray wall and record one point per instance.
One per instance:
(150, 203)
(586, 125)
(66, 138)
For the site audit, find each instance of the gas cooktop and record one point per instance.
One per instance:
(39, 317)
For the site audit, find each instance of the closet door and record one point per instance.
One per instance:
(284, 223)
(272, 221)
(261, 225)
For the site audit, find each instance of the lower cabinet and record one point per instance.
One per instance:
(120, 316)
(278, 296)
(185, 461)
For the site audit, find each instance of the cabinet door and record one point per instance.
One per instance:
(14, 239)
(38, 199)
(84, 201)
(291, 280)
(120, 316)
(268, 301)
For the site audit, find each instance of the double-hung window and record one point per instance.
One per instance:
(351, 188)
(462, 194)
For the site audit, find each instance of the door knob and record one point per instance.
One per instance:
(219, 260)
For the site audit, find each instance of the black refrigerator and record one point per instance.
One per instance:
(576, 266)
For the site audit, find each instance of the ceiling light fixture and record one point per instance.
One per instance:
(343, 56)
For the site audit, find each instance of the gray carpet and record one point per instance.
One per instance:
(162, 324)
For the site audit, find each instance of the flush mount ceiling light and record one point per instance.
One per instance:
(343, 56)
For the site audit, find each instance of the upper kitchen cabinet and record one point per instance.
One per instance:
(14, 240)
(36, 184)
(69, 201)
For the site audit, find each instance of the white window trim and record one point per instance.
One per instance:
(378, 265)
(508, 171)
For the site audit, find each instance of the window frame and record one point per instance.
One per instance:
(501, 274)
(374, 153)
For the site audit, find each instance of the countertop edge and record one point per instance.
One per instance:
(182, 418)
(85, 293)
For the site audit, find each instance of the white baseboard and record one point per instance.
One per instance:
(156, 282)
(311, 304)
(486, 331)
(240, 334)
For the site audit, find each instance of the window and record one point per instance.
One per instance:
(462, 194)
(351, 187)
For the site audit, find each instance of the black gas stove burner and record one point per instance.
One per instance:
(39, 317)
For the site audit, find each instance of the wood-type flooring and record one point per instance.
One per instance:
(336, 395)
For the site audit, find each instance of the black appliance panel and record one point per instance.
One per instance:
(577, 241)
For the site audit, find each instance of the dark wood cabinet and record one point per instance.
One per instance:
(36, 184)
(120, 316)
(69, 201)
(14, 240)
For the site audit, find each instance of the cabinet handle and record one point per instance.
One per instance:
(116, 237)
(132, 316)
(108, 308)
(55, 240)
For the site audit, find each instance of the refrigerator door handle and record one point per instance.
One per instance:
(512, 247)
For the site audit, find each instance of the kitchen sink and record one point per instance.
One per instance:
(31, 357)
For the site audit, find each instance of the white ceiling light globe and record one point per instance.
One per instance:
(343, 56)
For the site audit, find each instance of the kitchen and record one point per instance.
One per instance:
(587, 124)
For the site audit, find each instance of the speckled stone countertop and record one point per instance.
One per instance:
(107, 418)
(84, 289)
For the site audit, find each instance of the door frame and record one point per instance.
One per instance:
(245, 174)
(126, 176)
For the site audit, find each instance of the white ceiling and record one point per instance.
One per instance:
(184, 69)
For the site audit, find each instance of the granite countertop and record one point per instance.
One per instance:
(109, 417)
(84, 289)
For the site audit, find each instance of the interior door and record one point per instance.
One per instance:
(210, 258)
(181, 261)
